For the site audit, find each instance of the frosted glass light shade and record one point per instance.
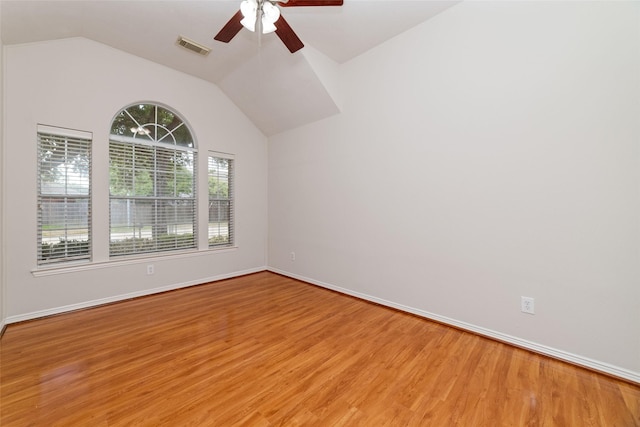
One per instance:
(249, 9)
(270, 14)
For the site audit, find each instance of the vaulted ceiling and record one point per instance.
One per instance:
(277, 90)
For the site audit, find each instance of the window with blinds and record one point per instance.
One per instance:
(64, 195)
(152, 191)
(220, 199)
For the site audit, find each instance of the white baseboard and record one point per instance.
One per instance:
(122, 297)
(518, 342)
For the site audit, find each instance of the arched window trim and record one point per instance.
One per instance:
(145, 214)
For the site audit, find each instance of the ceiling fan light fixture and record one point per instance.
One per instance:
(251, 9)
(268, 14)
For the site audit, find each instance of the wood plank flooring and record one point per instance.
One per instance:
(265, 350)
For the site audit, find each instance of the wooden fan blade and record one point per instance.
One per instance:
(230, 29)
(287, 35)
(291, 3)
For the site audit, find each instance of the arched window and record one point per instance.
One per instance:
(152, 192)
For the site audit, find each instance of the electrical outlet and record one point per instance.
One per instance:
(526, 305)
(292, 255)
(150, 269)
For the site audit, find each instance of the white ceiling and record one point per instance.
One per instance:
(277, 90)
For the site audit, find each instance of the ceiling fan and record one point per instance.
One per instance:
(264, 17)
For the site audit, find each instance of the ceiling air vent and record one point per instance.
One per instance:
(193, 46)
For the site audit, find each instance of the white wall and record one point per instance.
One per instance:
(2, 299)
(80, 84)
(490, 153)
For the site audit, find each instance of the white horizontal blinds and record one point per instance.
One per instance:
(152, 198)
(64, 195)
(152, 169)
(221, 224)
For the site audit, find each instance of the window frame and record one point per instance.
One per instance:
(231, 223)
(80, 141)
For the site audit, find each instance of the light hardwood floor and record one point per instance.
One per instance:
(265, 350)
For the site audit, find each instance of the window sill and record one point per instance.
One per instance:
(121, 261)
